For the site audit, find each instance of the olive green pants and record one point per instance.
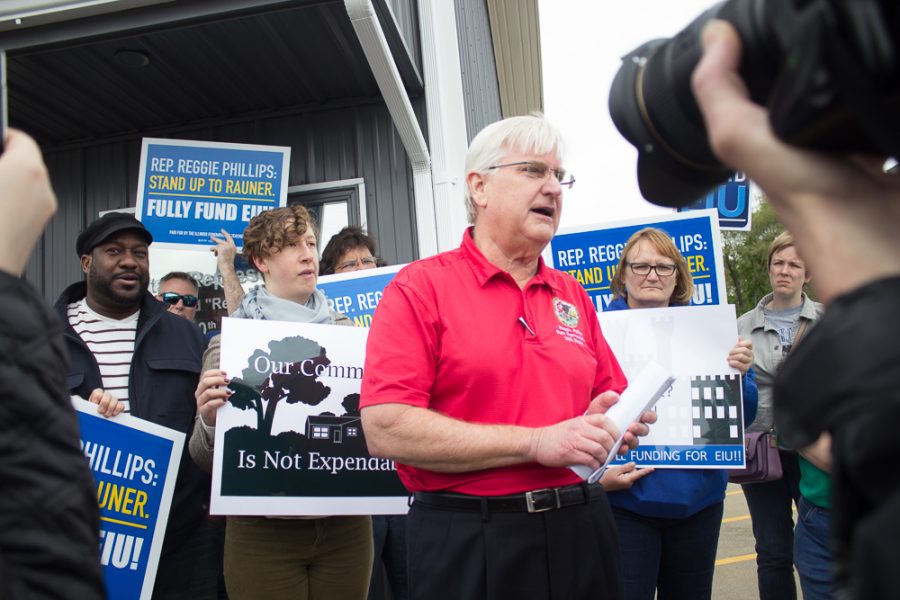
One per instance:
(298, 559)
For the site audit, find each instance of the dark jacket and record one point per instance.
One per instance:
(49, 522)
(165, 369)
(844, 378)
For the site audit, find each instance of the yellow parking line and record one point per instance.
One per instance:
(735, 559)
(734, 492)
(733, 519)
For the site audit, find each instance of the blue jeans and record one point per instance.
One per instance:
(389, 532)
(675, 556)
(811, 553)
(773, 527)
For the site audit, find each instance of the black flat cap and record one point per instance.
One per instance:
(100, 230)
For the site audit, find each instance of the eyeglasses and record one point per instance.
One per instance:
(538, 170)
(172, 298)
(644, 269)
(363, 263)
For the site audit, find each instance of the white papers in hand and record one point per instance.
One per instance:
(642, 393)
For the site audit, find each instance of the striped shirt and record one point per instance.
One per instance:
(111, 341)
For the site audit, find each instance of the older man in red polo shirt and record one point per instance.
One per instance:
(481, 365)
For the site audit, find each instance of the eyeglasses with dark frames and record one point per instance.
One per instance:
(172, 298)
(643, 269)
(365, 263)
(540, 171)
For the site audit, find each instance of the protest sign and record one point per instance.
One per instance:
(203, 268)
(356, 294)
(731, 200)
(591, 253)
(700, 418)
(188, 190)
(289, 441)
(134, 464)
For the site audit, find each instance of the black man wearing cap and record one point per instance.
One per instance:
(123, 341)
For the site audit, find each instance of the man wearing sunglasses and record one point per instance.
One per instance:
(180, 293)
(125, 348)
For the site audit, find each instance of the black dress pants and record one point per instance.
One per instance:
(569, 553)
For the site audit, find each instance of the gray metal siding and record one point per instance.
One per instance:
(481, 92)
(358, 141)
(406, 16)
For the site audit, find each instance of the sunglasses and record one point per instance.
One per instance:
(172, 298)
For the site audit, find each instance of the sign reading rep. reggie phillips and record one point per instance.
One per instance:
(188, 190)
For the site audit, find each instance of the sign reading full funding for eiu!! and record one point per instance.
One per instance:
(188, 190)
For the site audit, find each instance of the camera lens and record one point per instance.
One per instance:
(653, 106)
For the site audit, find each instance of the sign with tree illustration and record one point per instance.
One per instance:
(289, 441)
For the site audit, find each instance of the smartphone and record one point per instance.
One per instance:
(3, 113)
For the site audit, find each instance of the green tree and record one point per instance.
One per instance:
(744, 257)
(289, 372)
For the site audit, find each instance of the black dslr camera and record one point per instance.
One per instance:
(827, 70)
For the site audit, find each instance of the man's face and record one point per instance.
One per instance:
(520, 204)
(182, 288)
(117, 274)
(787, 273)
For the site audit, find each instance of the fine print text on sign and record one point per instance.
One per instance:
(188, 190)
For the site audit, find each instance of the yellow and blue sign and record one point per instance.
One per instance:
(356, 294)
(134, 464)
(188, 190)
(591, 253)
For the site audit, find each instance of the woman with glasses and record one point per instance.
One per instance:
(273, 558)
(348, 250)
(669, 520)
(351, 249)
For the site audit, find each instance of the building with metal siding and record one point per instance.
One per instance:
(479, 69)
(304, 73)
(347, 143)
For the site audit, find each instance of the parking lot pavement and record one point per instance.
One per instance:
(735, 577)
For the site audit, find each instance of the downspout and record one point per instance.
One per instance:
(446, 117)
(371, 37)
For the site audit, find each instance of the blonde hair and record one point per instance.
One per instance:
(662, 242)
(782, 240)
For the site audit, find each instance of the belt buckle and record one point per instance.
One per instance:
(529, 500)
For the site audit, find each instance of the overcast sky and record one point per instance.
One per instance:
(581, 45)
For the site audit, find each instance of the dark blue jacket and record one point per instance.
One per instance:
(680, 493)
(165, 369)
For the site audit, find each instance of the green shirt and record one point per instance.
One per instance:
(815, 484)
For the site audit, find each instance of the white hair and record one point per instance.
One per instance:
(527, 133)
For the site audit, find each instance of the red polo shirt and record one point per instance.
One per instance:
(447, 336)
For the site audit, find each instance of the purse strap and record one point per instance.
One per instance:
(800, 331)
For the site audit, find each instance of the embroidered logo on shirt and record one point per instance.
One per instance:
(565, 312)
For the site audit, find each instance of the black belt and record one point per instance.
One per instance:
(533, 501)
